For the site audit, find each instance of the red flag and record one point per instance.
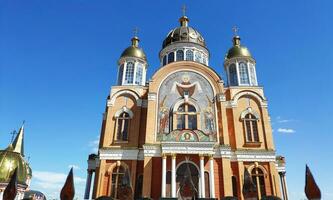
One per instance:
(311, 189)
(11, 189)
(68, 191)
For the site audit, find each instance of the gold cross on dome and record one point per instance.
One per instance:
(235, 30)
(184, 9)
(136, 31)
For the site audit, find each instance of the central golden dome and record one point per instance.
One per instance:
(184, 33)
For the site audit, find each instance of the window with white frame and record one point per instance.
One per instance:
(186, 117)
(180, 55)
(139, 74)
(189, 55)
(120, 74)
(171, 57)
(197, 56)
(252, 74)
(165, 60)
(122, 126)
(204, 59)
(251, 128)
(258, 178)
(116, 180)
(233, 75)
(243, 73)
(129, 75)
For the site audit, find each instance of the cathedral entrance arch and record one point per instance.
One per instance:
(187, 181)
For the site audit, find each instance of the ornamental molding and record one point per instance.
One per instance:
(151, 150)
(152, 96)
(280, 169)
(115, 94)
(188, 148)
(118, 154)
(253, 155)
(220, 97)
(198, 148)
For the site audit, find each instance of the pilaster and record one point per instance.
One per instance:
(147, 179)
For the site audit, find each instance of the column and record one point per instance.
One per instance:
(285, 185)
(88, 184)
(202, 175)
(164, 157)
(173, 176)
(92, 185)
(211, 177)
(147, 173)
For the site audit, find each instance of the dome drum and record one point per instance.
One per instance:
(184, 51)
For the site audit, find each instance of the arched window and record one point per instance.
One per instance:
(129, 73)
(252, 75)
(204, 60)
(189, 55)
(171, 57)
(117, 175)
(258, 178)
(251, 128)
(243, 73)
(120, 74)
(186, 116)
(233, 75)
(122, 126)
(198, 56)
(180, 55)
(164, 60)
(139, 74)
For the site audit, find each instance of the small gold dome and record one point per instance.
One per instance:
(9, 161)
(134, 50)
(238, 50)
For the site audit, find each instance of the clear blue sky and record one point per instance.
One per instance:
(58, 62)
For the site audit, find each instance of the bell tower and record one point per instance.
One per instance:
(240, 65)
(132, 65)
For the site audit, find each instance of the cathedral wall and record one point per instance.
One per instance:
(110, 129)
(242, 104)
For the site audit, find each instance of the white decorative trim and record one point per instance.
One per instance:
(118, 154)
(118, 93)
(249, 110)
(220, 97)
(152, 150)
(124, 109)
(188, 147)
(261, 99)
(225, 152)
(152, 96)
(280, 169)
(254, 156)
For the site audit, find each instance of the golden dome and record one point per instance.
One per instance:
(134, 50)
(9, 161)
(184, 33)
(238, 50)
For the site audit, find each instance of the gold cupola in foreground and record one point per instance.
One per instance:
(11, 158)
(132, 65)
(239, 64)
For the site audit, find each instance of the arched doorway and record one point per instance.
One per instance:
(187, 181)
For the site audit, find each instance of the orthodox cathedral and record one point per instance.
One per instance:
(186, 133)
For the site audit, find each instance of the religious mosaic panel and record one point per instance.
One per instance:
(186, 109)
